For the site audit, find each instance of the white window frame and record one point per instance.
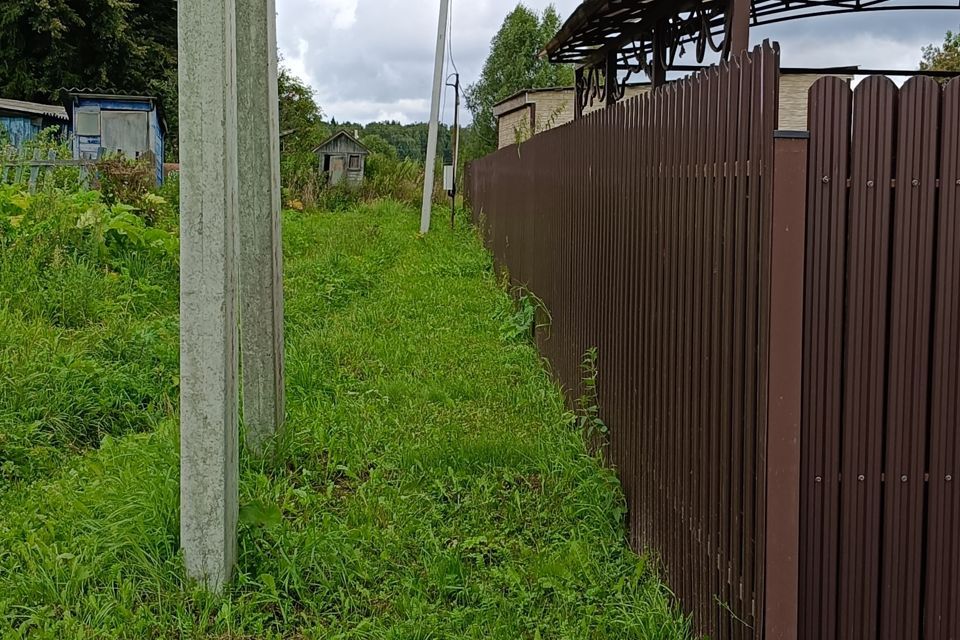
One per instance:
(86, 132)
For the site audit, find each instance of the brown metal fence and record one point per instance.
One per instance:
(880, 541)
(778, 338)
(646, 230)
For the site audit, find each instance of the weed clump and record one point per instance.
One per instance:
(88, 306)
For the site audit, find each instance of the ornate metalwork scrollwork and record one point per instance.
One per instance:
(662, 46)
(595, 84)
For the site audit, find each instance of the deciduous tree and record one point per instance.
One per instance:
(513, 65)
(945, 57)
(301, 118)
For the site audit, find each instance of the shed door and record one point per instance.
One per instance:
(338, 168)
(126, 131)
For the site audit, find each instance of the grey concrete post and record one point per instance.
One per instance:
(261, 266)
(430, 168)
(208, 290)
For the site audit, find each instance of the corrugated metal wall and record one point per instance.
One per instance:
(645, 230)
(19, 129)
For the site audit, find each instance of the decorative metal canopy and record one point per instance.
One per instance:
(604, 37)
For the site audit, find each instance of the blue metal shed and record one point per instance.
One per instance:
(22, 121)
(105, 123)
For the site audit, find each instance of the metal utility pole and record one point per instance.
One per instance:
(431, 161)
(456, 147)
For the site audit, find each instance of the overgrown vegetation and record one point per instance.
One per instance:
(394, 169)
(88, 306)
(52, 46)
(387, 177)
(431, 485)
(47, 141)
(588, 407)
(302, 130)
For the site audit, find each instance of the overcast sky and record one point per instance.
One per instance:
(373, 59)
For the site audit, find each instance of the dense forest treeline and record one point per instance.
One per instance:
(48, 48)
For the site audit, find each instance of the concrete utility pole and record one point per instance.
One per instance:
(456, 148)
(430, 167)
(261, 269)
(208, 290)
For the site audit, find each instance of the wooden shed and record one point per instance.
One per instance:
(343, 157)
(124, 124)
(21, 121)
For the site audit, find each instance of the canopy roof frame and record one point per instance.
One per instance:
(604, 37)
(599, 26)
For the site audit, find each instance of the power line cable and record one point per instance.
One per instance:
(450, 42)
(453, 61)
(447, 64)
(443, 109)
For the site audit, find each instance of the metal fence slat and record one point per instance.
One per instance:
(942, 614)
(910, 319)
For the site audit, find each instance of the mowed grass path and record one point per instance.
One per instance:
(431, 486)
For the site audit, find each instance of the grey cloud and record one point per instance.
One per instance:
(373, 59)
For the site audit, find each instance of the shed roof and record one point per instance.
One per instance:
(342, 134)
(34, 108)
(96, 94)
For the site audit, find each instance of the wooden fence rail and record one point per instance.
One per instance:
(34, 170)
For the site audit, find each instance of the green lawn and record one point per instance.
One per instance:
(431, 486)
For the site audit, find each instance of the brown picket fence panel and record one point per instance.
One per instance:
(777, 328)
(880, 541)
(644, 229)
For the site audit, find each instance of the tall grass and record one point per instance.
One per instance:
(431, 483)
(387, 177)
(301, 179)
(88, 325)
(400, 180)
